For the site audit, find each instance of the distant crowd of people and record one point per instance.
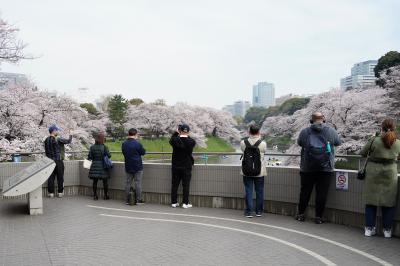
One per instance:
(317, 142)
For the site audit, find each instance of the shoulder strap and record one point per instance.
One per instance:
(368, 154)
(370, 147)
(257, 143)
(247, 143)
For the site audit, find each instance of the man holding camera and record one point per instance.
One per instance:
(54, 149)
(182, 163)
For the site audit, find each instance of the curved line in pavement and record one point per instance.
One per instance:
(299, 248)
(344, 246)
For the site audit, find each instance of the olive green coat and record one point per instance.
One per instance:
(381, 179)
(96, 155)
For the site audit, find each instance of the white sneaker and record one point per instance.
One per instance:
(51, 195)
(370, 231)
(60, 195)
(387, 233)
(174, 205)
(186, 206)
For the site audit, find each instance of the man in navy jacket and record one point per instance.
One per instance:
(133, 152)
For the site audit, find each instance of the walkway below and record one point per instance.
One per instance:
(80, 231)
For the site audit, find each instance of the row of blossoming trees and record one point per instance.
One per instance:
(26, 113)
(356, 114)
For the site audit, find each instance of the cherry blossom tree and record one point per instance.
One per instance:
(11, 48)
(26, 113)
(217, 123)
(161, 120)
(355, 114)
(391, 79)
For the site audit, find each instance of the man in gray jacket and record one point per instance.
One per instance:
(317, 165)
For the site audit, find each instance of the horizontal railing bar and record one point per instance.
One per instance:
(194, 153)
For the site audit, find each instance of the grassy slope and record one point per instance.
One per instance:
(214, 144)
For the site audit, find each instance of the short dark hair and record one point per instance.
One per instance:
(132, 132)
(254, 129)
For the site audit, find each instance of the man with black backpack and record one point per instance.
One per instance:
(317, 164)
(253, 170)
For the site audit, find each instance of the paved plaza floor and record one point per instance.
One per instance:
(80, 231)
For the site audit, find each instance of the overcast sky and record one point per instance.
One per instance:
(199, 52)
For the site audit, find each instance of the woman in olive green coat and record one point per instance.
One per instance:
(380, 188)
(97, 170)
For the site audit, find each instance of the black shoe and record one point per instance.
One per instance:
(300, 217)
(139, 202)
(128, 201)
(318, 220)
(95, 197)
(248, 215)
(106, 197)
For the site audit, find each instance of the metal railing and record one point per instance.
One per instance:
(24, 153)
(275, 158)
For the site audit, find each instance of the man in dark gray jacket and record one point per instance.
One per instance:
(317, 165)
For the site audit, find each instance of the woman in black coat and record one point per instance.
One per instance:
(97, 170)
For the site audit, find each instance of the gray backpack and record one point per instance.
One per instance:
(316, 155)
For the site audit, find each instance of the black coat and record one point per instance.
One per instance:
(96, 155)
(182, 151)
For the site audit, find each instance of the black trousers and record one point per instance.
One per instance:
(321, 181)
(178, 175)
(59, 173)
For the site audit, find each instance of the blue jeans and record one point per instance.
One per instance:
(259, 188)
(387, 216)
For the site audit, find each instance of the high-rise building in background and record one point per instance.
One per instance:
(83, 95)
(239, 108)
(362, 75)
(264, 94)
(12, 79)
(229, 108)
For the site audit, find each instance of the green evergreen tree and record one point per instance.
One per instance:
(90, 108)
(117, 112)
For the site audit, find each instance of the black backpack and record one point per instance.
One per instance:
(251, 163)
(316, 156)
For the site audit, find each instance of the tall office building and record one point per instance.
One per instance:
(229, 108)
(238, 108)
(12, 79)
(264, 94)
(362, 75)
(83, 95)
